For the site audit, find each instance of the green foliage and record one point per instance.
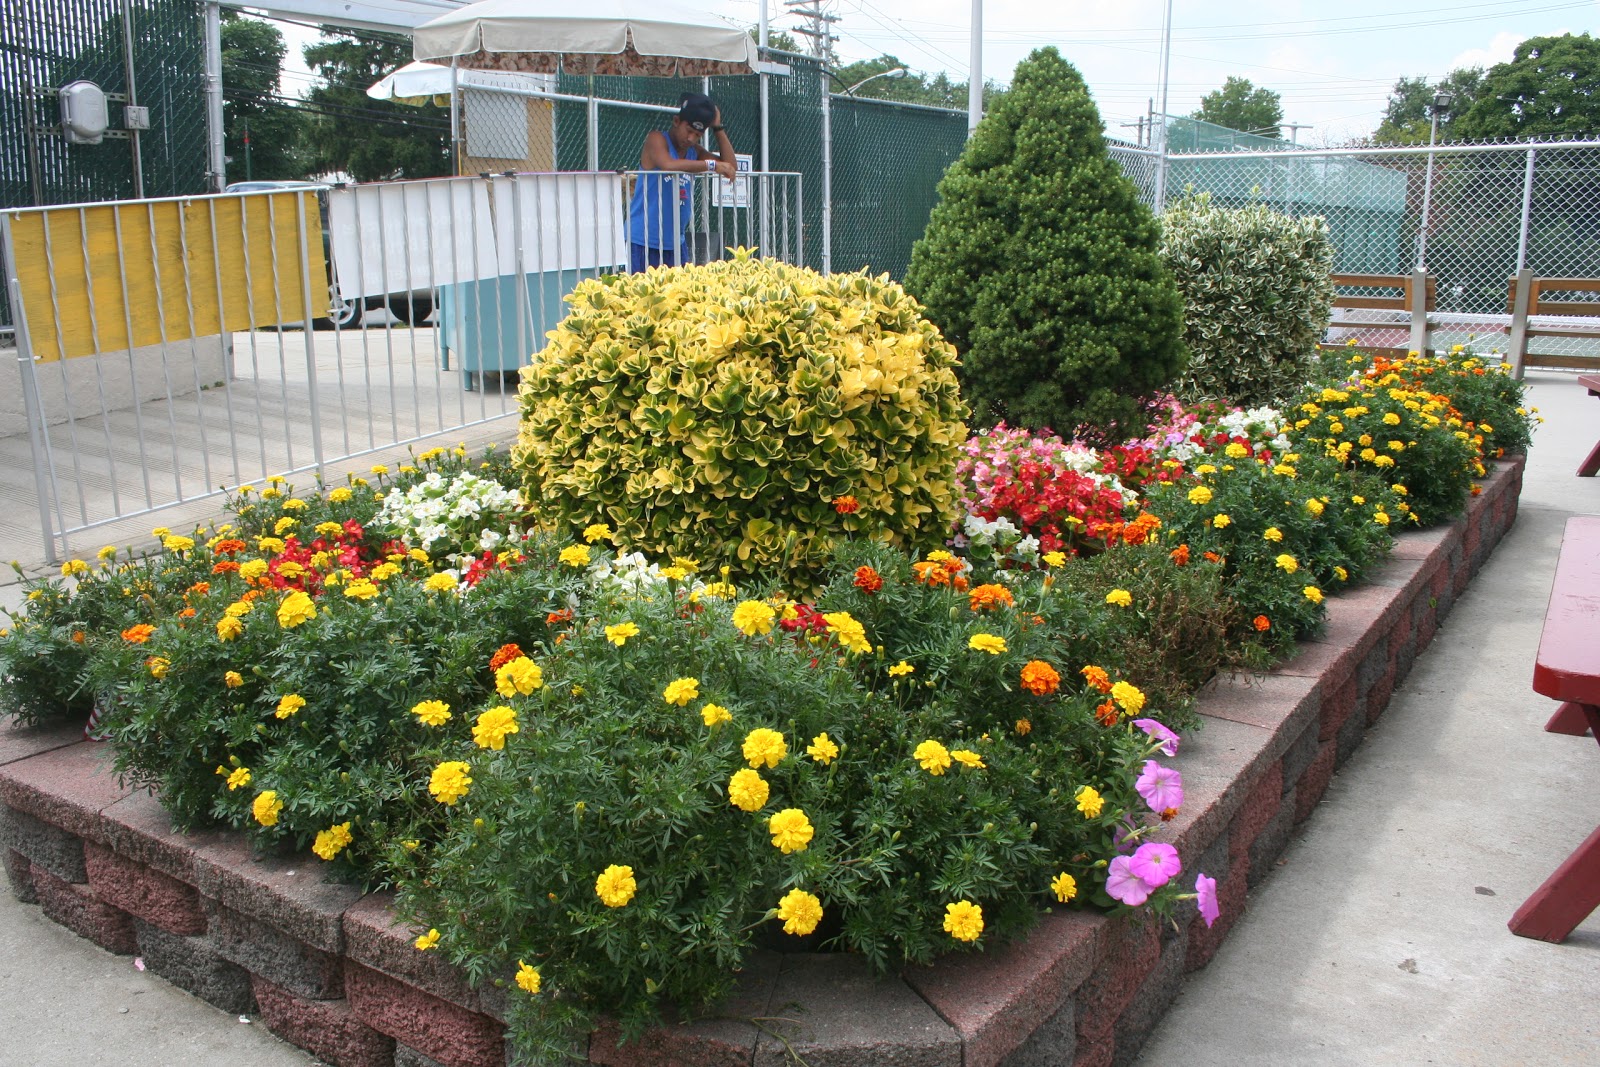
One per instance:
(252, 65)
(724, 412)
(1551, 88)
(1257, 291)
(1041, 266)
(1241, 106)
(1407, 117)
(369, 139)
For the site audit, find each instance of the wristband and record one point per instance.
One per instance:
(711, 165)
(718, 129)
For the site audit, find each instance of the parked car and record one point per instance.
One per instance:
(347, 314)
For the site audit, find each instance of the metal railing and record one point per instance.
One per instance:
(170, 350)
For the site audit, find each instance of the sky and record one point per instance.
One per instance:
(1333, 62)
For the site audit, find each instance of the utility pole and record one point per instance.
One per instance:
(817, 27)
(1294, 129)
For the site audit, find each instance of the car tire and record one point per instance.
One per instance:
(411, 310)
(347, 315)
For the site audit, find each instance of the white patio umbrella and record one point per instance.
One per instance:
(420, 83)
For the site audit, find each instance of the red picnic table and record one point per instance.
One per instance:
(1590, 465)
(1568, 669)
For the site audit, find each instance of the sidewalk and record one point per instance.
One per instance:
(1381, 940)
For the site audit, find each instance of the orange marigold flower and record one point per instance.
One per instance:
(226, 566)
(846, 505)
(959, 583)
(953, 565)
(1139, 530)
(186, 613)
(989, 597)
(229, 546)
(138, 634)
(1212, 557)
(556, 618)
(868, 580)
(1106, 714)
(1180, 555)
(1096, 677)
(251, 594)
(503, 655)
(199, 588)
(78, 637)
(930, 573)
(1168, 814)
(1040, 678)
(1262, 623)
(1023, 727)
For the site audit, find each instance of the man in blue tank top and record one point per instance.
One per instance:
(660, 210)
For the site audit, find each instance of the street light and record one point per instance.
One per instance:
(897, 72)
(1442, 99)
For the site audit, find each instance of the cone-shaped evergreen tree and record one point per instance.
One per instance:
(1041, 265)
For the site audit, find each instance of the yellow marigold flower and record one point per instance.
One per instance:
(764, 746)
(967, 758)
(1313, 594)
(715, 715)
(340, 495)
(418, 554)
(1342, 574)
(1235, 450)
(450, 781)
(963, 920)
(427, 941)
(680, 691)
(675, 573)
(752, 617)
(1206, 468)
(270, 545)
(521, 675)
(432, 712)
(332, 841)
(939, 556)
(177, 543)
(721, 590)
(618, 635)
(238, 779)
(1381, 518)
(791, 831)
(289, 704)
(361, 589)
(1200, 495)
(233, 679)
(1055, 559)
(990, 643)
(1272, 533)
(596, 531)
(1221, 520)
(747, 790)
(284, 525)
(901, 669)
(160, 531)
(384, 571)
(800, 912)
(271, 493)
(229, 627)
(1383, 461)
(528, 979)
(823, 749)
(575, 555)
(1285, 470)
(296, 608)
(1287, 563)
(239, 609)
(266, 808)
(1064, 886)
(1090, 802)
(493, 726)
(1358, 500)
(109, 552)
(1368, 454)
(1391, 419)
(290, 569)
(851, 634)
(75, 566)
(1128, 697)
(442, 582)
(1314, 506)
(615, 886)
(1120, 597)
(933, 756)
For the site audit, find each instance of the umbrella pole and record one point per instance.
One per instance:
(455, 119)
(594, 128)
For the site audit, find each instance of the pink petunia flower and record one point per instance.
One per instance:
(1161, 787)
(1168, 739)
(1155, 863)
(1206, 896)
(1124, 885)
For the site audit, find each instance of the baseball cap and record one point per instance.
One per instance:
(698, 110)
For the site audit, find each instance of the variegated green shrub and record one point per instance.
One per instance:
(745, 413)
(1257, 293)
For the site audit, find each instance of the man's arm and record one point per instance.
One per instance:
(655, 156)
(727, 166)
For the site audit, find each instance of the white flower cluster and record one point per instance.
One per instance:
(462, 516)
(998, 540)
(630, 572)
(1262, 424)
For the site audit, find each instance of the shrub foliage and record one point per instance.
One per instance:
(1040, 263)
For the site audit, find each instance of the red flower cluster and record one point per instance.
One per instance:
(868, 580)
(806, 620)
(489, 561)
(1059, 507)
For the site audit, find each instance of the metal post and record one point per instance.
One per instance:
(1159, 141)
(306, 305)
(763, 40)
(827, 180)
(594, 128)
(1427, 196)
(975, 70)
(455, 116)
(216, 160)
(133, 97)
(1527, 207)
(31, 401)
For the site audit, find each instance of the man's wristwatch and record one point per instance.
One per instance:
(718, 129)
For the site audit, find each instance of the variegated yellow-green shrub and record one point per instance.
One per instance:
(746, 413)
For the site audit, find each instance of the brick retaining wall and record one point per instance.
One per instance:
(331, 971)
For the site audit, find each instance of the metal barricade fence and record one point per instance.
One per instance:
(169, 350)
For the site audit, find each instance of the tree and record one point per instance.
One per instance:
(1040, 263)
(1241, 106)
(1407, 118)
(252, 65)
(366, 138)
(1551, 88)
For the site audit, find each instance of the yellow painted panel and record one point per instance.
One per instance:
(114, 276)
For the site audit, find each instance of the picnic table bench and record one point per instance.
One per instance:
(1568, 669)
(1589, 466)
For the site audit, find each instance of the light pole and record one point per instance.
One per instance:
(1442, 100)
(1159, 142)
(897, 72)
(975, 70)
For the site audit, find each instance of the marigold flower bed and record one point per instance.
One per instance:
(329, 970)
